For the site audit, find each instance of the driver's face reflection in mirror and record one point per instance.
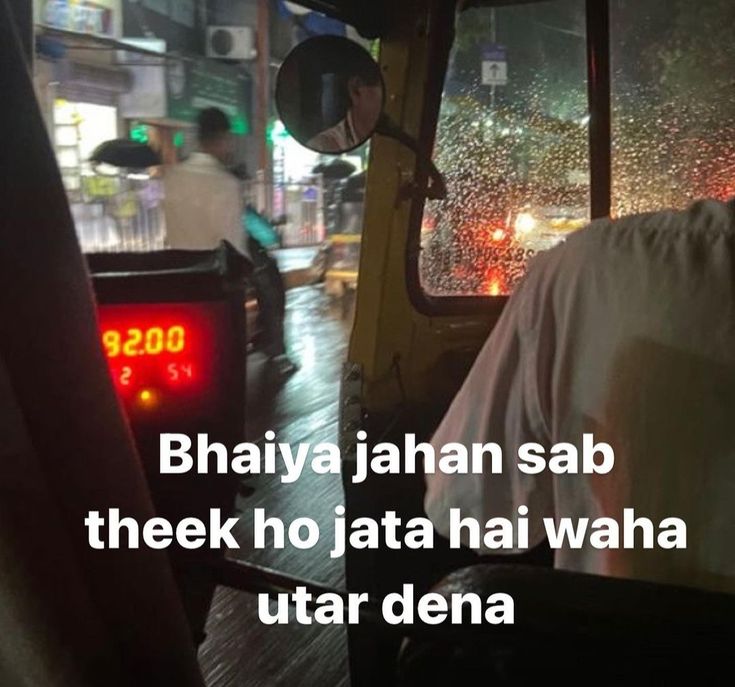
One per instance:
(365, 98)
(366, 104)
(365, 94)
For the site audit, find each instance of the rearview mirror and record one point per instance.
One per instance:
(330, 94)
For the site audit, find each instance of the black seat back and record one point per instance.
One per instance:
(573, 626)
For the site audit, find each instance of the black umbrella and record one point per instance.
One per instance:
(336, 169)
(121, 152)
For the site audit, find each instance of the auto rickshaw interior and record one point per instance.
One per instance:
(539, 115)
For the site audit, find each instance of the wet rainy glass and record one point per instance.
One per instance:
(516, 156)
(673, 103)
(512, 144)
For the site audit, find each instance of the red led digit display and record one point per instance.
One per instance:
(152, 341)
(167, 359)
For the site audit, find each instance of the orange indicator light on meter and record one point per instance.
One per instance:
(148, 399)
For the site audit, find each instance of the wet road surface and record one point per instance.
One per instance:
(239, 650)
(294, 258)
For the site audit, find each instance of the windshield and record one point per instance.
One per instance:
(511, 141)
(512, 136)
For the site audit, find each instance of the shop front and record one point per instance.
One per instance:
(96, 84)
(81, 85)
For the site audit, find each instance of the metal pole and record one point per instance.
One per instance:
(598, 85)
(262, 100)
(493, 39)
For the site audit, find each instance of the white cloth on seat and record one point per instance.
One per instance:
(626, 331)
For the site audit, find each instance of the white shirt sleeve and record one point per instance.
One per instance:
(499, 402)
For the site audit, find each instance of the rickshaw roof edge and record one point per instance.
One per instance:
(370, 19)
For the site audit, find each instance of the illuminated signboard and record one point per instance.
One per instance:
(170, 359)
(82, 16)
(199, 83)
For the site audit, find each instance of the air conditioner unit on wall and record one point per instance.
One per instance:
(231, 42)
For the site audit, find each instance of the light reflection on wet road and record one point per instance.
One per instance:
(239, 650)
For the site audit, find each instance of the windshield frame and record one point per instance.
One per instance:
(597, 16)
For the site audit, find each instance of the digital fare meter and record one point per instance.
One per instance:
(168, 360)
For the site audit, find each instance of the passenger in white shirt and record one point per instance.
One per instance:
(203, 200)
(625, 331)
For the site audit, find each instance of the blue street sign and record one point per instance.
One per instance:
(494, 53)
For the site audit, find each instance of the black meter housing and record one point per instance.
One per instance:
(173, 326)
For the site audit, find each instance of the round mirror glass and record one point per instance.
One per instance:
(330, 94)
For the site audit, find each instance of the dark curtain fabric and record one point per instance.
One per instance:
(111, 617)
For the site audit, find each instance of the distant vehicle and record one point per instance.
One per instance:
(342, 264)
(542, 227)
(546, 216)
(338, 259)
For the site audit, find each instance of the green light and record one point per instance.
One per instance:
(240, 125)
(276, 132)
(179, 139)
(139, 133)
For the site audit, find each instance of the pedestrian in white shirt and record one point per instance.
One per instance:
(625, 331)
(203, 200)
